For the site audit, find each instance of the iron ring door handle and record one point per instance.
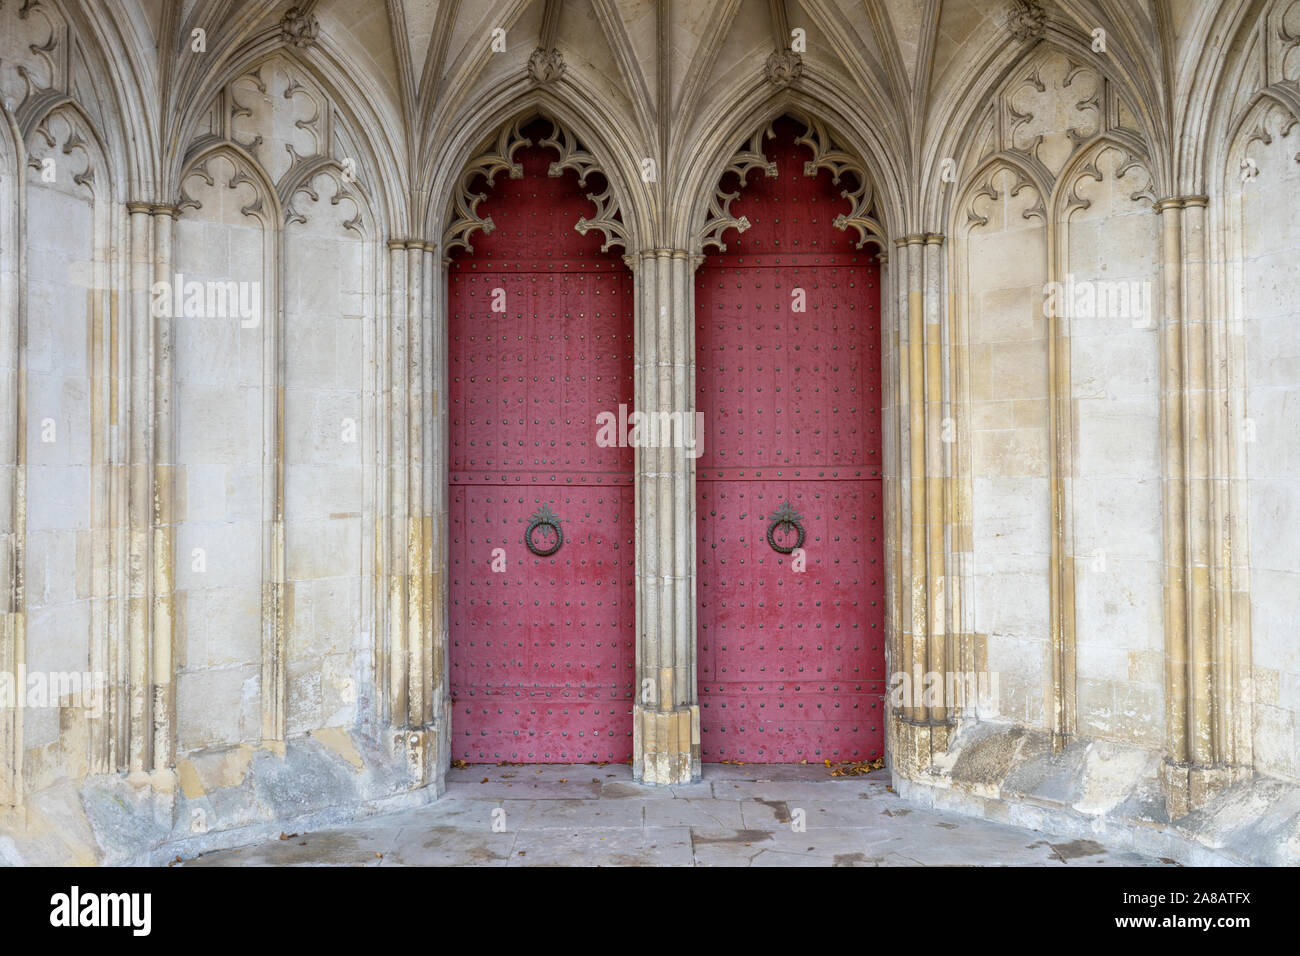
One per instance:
(785, 517)
(544, 517)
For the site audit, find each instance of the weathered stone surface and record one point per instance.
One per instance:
(845, 822)
(1096, 789)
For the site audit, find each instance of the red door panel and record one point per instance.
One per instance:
(791, 663)
(542, 648)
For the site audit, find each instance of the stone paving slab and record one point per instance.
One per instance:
(737, 815)
(652, 846)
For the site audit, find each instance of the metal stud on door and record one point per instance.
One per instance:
(790, 509)
(542, 555)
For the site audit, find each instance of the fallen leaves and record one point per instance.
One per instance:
(287, 836)
(459, 764)
(855, 768)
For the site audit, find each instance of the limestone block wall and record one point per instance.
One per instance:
(64, 422)
(1003, 267)
(1054, 276)
(1109, 237)
(329, 310)
(221, 381)
(1264, 324)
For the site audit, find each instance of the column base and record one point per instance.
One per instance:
(666, 745)
(915, 745)
(1189, 787)
(425, 756)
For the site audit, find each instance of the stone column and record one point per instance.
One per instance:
(140, 461)
(163, 497)
(396, 517)
(413, 554)
(417, 698)
(666, 712)
(12, 489)
(434, 415)
(1201, 650)
(144, 736)
(921, 727)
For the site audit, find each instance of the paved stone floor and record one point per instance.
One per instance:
(737, 816)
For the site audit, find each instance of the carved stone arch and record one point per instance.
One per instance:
(82, 138)
(1083, 164)
(981, 184)
(861, 217)
(1265, 119)
(354, 130)
(860, 192)
(497, 156)
(730, 141)
(266, 205)
(718, 218)
(992, 119)
(1221, 84)
(53, 52)
(1101, 105)
(38, 76)
(1277, 104)
(347, 189)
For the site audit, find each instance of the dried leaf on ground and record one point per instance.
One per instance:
(855, 768)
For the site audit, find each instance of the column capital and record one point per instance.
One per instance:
(1181, 202)
(412, 243)
(921, 239)
(146, 208)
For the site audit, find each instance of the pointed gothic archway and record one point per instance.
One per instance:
(789, 496)
(541, 596)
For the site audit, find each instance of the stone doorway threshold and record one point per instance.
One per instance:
(739, 815)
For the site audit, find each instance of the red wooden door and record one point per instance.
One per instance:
(542, 644)
(792, 664)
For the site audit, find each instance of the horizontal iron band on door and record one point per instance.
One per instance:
(540, 478)
(803, 260)
(784, 474)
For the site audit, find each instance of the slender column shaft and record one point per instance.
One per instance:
(666, 739)
(12, 487)
(140, 484)
(1200, 647)
(935, 477)
(1201, 749)
(416, 545)
(397, 477)
(916, 651)
(1172, 411)
(164, 588)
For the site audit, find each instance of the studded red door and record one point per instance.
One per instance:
(791, 662)
(542, 554)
